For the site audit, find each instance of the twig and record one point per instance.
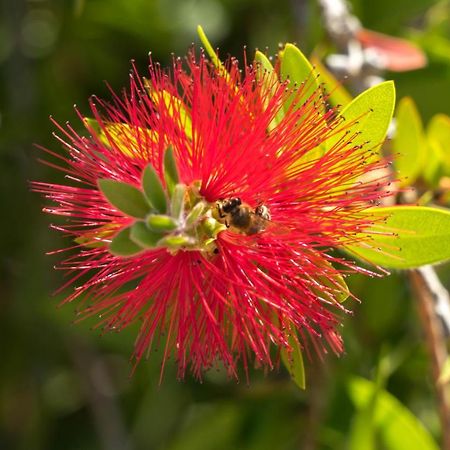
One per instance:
(430, 292)
(340, 24)
(362, 68)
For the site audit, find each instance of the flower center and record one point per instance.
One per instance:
(177, 218)
(170, 215)
(189, 224)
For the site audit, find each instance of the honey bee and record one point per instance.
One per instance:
(241, 217)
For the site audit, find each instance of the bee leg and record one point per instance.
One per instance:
(219, 210)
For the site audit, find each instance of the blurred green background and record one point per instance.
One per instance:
(62, 386)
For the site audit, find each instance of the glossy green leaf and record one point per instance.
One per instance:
(153, 189)
(125, 197)
(372, 110)
(264, 62)
(409, 144)
(313, 155)
(293, 361)
(411, 236)
(143, 236)
(170, 169)
(296, 67)
(161, 222)
(395, 426)
(122, 245)
(267, 75)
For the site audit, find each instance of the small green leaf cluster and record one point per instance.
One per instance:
(421, 154)
(159, 212)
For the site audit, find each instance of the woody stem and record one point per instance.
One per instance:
(426, 292)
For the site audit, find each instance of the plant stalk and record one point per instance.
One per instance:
(427, 289)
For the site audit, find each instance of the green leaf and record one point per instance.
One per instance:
(96, 238)
(336, 284)
(296, 67)
(196, 212)
(393, 423)
(265, 64)
(373, 110)
(177, 201)
(142, 236)
(444, 376)
(175, 107)
(211, 227)
(122, 245)
(209, 49)
(95, 129)
(438, 134)
(338, 95)
(293, 360)
(153, 189)
(267, 75)
(174, 242)
(161, 222)
(409, 145)
(434, 167)
(94, 125)
(412, 236)
(216, 425)
(125, 197)
(122, 136)
(170, 169)
(362, 434)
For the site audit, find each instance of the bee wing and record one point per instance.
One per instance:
(270, 225)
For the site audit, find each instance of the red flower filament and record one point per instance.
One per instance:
(222, 280)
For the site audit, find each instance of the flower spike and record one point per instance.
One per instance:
(206, 208)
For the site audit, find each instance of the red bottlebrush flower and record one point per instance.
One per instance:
(213, 225)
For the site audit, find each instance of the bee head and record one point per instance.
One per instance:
(231, 204)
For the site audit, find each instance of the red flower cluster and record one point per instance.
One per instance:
(252, 152)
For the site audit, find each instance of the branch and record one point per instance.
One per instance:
(430, 293)
(363, 68)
